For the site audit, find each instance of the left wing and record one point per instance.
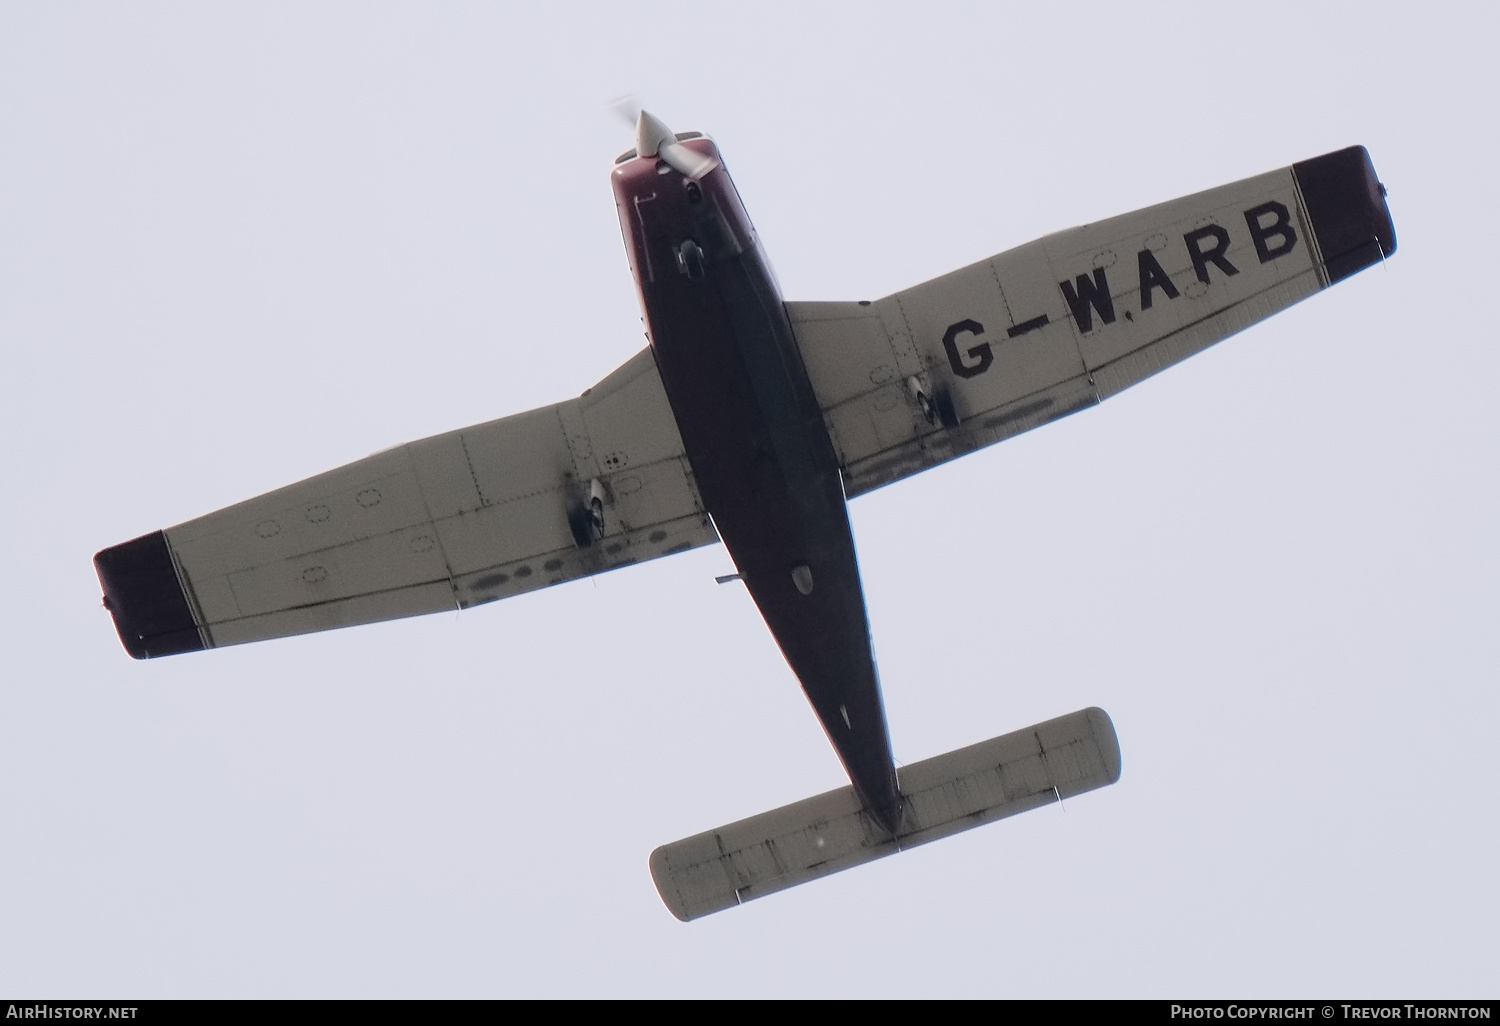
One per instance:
(443, 523)
(1059, 324)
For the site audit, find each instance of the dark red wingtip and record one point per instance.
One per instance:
(1346, 204)
(145, 597)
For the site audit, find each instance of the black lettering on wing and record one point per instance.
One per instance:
(1214, 254)
(1088, 295)
(1153, 277)
(1279, 225)
(981, 353)
(1025, 326)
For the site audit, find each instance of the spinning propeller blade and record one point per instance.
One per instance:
(654, 139)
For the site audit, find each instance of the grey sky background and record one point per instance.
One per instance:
(242, 244)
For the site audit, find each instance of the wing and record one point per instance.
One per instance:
(444, 523)
(1059, 324)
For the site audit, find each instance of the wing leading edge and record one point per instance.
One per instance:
(447, 522)
(1033, 334)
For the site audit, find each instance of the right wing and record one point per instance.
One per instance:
(1059, 324)
(444, 523)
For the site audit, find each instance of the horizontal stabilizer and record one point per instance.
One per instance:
(939, 796)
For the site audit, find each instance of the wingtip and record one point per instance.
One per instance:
(1346, 204)
(146, 599)
(1103, 729)
(661, 876)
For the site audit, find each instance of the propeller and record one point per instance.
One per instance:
(654, 139)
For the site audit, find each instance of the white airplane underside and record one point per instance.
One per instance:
(751, 420)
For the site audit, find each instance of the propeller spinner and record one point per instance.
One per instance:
(654, 139)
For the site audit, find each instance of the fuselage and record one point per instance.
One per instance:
(760, 453)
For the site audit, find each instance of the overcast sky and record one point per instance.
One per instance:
(242, 244)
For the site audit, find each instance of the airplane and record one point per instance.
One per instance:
(752, 421)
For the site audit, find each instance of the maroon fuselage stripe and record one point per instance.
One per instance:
(760, 453)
